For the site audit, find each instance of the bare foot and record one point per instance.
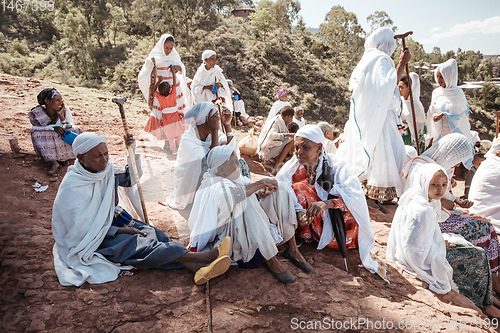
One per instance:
(275, 265)
(54, 167)
(491, 311)
(293, 250)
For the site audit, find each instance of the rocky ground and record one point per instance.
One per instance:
(32, 299)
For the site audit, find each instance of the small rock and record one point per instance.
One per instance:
(102, 98)
(71, 86)
(53, 179)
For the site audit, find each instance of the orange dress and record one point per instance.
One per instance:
(306, 195)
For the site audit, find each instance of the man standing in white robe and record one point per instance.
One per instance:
(373, 148)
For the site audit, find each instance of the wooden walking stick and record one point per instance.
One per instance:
(402, 37)
(218, 103)
(209, 307)
(119, 102)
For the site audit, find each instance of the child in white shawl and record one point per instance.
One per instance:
(406, 112)
(418, 246)
(209, 83)
(449, 111)
(225, 205)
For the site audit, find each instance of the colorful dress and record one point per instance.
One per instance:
(47, 143)
(306, 195)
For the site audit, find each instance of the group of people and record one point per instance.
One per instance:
(324, 182)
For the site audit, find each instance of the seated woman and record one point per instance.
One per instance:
(50, 120)
(95, 239)
(451, 150)
(485, 187)
(417, 245)
(275, 141)
(304, 172)
(226, 204)
(204, 121)
(449, 111)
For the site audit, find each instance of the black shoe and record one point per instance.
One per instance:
(305, 266)
(285, 277)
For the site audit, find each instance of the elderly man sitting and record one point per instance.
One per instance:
(95, 239)
(227, 204)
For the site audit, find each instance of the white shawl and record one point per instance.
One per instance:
(204, 77)
(82, 215)
(277, 106)
(162, 60)
(189, 165)
(269, 132)
(375, 93)
(406, 113)
(485, 189)
(349, 189)
(415, 240)
(450, 101)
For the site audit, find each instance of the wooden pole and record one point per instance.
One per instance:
(497, 113)
(403, 36)
(120, 102)
(209, 307)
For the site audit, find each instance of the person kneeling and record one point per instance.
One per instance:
(95, 239)
(226, 204)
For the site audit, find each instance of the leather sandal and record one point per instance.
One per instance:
(224, 247)
(218, 267)
(305, 266)
(285, 277)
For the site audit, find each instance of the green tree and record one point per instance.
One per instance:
(380, 19)
(343, 35)
(284, 13)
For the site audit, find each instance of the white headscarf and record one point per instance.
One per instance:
(415, 240)
(495, 148)
(158, 52)
(207, 54)
(311, 132)
(86, 141)
(449, 71)
(197, 115)
(217, 156)
(450, 150)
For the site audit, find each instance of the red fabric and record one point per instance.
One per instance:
(170, 127)
(306, 195)
(167, 101)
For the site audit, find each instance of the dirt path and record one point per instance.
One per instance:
(158, 301)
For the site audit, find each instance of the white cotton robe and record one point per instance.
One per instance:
(450, 101)
(373, 148)
(271, 138)
(415, 240)
(204, 77)
(485, 190)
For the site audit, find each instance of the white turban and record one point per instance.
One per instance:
(197, 115)
(217, 156)
(86, 141)
(207, 54)
(311, 132)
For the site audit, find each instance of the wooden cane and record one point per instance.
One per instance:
(497, 113)
(119, 102)
(209, 307)
(219, 107)
(402, 37)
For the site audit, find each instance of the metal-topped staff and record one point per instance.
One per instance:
(119, 102)
(402, 37)
(497, 113)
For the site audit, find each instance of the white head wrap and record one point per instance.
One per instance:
(197, 115)
(381, 39)
(452, 149)
(207, 54)
(86, 141)
(311, 132)
(419, 189)
(495, 148)
(217, 156)
(449, 71)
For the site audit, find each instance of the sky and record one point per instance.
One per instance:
(449, 25)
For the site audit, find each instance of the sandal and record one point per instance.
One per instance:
(305, 266)
(285, 277)
(218, 267)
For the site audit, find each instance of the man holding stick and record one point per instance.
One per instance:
(95, 238)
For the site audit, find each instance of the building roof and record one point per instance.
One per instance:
(244, 6)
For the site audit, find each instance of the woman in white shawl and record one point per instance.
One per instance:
(373, 149)
(417, 244)
(209, 84)
(95, 238)
(406, 112)
(226, 205)
(165, 123)
(485, 187)
(449, 111)
(448, 152)
(204, 121)
(302, 174)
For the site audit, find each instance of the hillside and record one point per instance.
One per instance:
(168, 301)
